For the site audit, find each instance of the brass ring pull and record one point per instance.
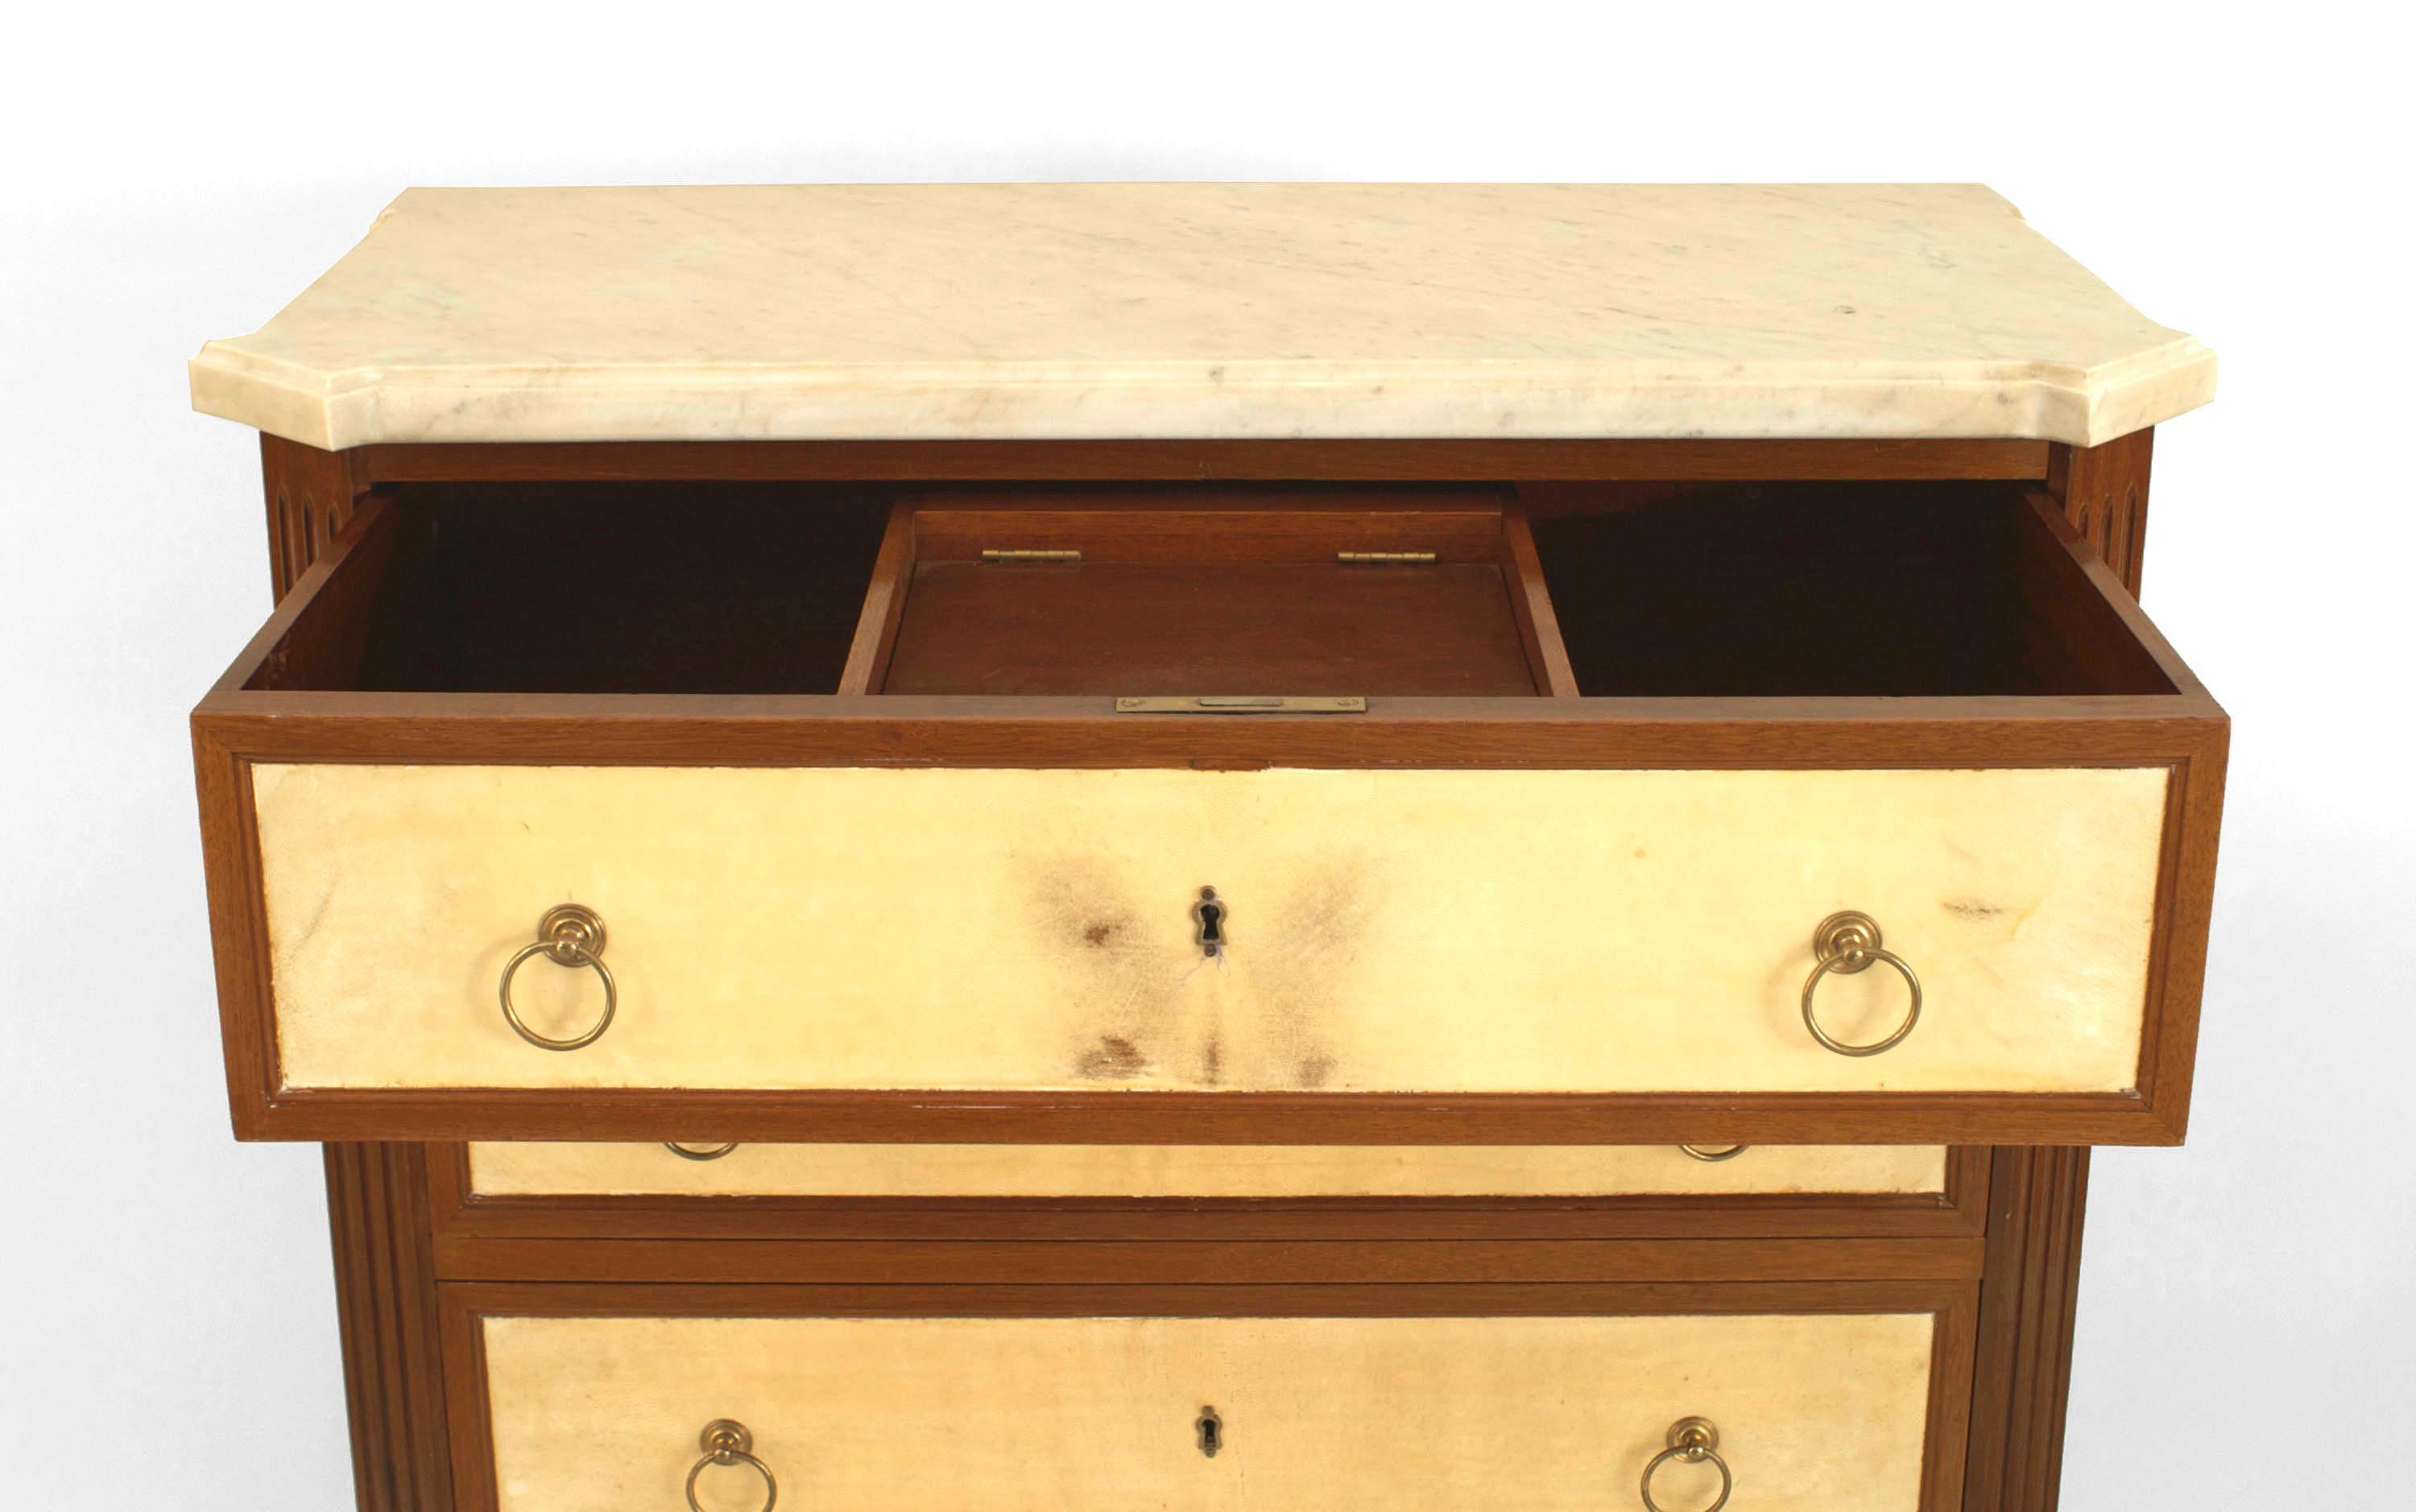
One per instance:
(568, 935)
(1715, 1153)
(1693, 1439)
(726, 1442)
(1847, 943)
(711, 1152)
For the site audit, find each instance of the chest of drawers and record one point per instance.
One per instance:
(1278, 854)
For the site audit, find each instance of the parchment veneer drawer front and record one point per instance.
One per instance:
(1387, 931)
(1796, 770)
(1812, 1412)
(536, 1170)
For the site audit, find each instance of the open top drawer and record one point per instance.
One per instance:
(1209, 813)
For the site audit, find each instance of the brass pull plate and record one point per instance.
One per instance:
(568, 935)
(1241, 704)
(997, 555)
(1845, 943)
(727, 1443)
(1692, 1441)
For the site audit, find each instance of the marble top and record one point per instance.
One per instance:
(1246, 310)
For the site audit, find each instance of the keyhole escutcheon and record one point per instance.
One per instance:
(1212, 1432)
(1209, 913)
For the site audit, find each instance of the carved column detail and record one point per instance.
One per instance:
(385, 1296)
(310, 496)
(2104, 490)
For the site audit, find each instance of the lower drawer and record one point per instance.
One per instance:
(1236, 1170)
(1338, 1214)
(1457, 1396)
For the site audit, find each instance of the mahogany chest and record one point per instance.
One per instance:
(1208, 846)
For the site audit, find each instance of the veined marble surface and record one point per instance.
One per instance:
(1103, 310)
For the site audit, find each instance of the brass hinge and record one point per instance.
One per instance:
(1241, 704)
(995, 555)
(1388, 558)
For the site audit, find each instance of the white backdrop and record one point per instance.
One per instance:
(2246, 1336)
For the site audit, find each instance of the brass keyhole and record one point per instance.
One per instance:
(1209, 913)
(1212, 1432)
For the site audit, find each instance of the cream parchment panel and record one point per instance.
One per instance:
(1394, 930)
(1815, 1413)
(536, 1169)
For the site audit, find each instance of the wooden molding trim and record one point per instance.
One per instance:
(1362, 460)
(1216, 1263)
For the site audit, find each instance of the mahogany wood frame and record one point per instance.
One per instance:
(380, 1196)
(1945, 1440)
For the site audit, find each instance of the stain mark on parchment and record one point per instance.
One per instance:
(1077, 902)
(1131, 1009)
(318, 915)
(1113, 1059)
(1118, 996)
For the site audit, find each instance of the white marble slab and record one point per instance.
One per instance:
(1203, 310)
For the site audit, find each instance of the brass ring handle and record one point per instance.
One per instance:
(726, 1442)
(1847, 943)
(1693, 1439)
(712, 1152)
(568, 935)
(1714, 1154)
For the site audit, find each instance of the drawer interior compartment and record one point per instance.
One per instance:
(1807, 590)
(602, 588)
(1841, 1397)
(1620, 591)
(1121, 590)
